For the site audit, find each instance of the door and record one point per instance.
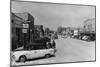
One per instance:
(41, 51)
(38, 51)
(31, 52)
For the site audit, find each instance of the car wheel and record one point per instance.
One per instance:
(22, 59)
(47, 55)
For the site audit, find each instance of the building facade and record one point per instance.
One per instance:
(89, 25)
(22, 25)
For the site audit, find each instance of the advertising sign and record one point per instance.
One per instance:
(25, 25)
(24, 30)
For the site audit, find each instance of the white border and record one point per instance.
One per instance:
(5, 33)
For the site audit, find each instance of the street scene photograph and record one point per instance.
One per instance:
(52, 33)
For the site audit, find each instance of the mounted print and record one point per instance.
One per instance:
(52, 33)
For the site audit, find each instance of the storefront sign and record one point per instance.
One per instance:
(25, 25)
(24, 30)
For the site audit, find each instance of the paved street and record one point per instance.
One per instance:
(68, 50)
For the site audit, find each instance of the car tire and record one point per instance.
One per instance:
(22, 58)
(47, 55)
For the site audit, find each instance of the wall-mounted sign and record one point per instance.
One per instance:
(25, 25)
(24, 30)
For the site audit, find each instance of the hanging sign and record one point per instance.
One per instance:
(24, 30)
(25, 25)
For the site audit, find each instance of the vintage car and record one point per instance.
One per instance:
(33, 51)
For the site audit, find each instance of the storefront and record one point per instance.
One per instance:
(21, 26)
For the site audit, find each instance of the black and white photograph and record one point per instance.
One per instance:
(52, 33)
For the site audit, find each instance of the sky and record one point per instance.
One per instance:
(54, 15)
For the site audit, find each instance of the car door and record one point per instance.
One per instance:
(37, 51)
(33, 52)
(41, 51)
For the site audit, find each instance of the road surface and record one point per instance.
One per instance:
(68, 50)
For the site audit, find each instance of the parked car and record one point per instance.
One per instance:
(76, 36)
(33, 51)
(64, 36)
(88, 36)
(85, 37)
